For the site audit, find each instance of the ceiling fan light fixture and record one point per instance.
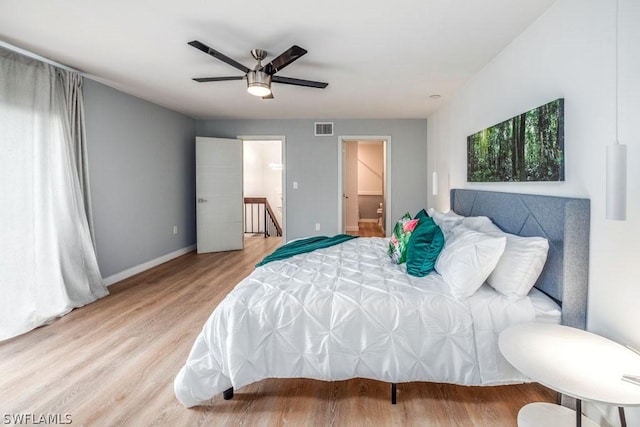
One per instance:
(260, 77)
(258, 83)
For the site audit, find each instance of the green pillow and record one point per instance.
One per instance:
(422, 215)
(400, 238)
(425, 245)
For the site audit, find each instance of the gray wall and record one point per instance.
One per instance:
(141, 164)
(141, 161)
(313, 163)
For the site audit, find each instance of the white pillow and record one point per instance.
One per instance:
(521, 263)
(467, 259)
(446, 221)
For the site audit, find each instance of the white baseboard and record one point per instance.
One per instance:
(368, 220)
(147, 265)
(351, 228)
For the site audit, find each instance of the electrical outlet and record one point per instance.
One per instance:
(175, 229)
(317, 226)
(295, 185)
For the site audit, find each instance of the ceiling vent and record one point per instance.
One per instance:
(323, 129)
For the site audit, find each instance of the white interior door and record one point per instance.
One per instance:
(351, 186)
(219, 204)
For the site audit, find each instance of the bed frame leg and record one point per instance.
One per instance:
(228, 394)
(393, 393)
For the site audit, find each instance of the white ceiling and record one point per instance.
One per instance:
(382, 59)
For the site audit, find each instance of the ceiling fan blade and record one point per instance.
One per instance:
(285, 58)
(222, 57)
(298, 82)
(217, 79)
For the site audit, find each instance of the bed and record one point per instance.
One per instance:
(347, 311)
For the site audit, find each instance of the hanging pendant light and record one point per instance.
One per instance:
(617, 182)
(434, 183)
(434, 174)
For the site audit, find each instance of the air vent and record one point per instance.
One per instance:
(323, 128)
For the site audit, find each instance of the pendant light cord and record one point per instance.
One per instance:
(617, 66)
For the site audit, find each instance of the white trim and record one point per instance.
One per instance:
(368, 220)
(386, 144)
(146, 266)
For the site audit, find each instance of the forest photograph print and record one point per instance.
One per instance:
(528, 147)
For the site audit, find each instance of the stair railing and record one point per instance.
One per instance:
(259, 217)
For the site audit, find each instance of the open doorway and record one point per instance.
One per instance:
(263, 175)
(364, 186)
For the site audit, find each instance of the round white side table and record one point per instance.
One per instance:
(573, 362)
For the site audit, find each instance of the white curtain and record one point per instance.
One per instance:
(48, 263)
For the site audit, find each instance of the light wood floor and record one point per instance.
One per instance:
(113, 362)
(367, 229)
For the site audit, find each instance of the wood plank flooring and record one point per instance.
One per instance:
(112, 363)
(367, 229)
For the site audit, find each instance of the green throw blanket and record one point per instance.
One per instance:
(303, 246)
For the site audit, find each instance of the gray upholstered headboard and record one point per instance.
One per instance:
(563, 221)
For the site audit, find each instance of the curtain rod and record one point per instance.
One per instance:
(39, 58)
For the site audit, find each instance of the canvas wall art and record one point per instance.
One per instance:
(527, 147)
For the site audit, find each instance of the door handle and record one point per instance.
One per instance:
(201, 200)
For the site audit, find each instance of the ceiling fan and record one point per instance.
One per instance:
(260, 78)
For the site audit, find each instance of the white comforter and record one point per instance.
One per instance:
(344, 312)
